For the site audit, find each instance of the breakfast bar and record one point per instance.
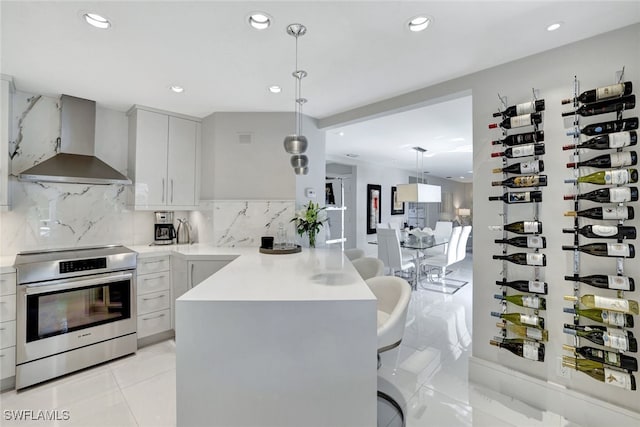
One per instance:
(278, 340)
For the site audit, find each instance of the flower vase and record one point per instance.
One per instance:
(311, 234)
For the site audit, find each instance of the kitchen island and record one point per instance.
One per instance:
(278, 340)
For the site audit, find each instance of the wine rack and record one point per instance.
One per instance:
(613, 314)
(521, 331)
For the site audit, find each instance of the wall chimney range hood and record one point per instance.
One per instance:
(76, 162)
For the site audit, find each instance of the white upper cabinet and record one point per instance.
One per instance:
(164, 159)
(6, 91)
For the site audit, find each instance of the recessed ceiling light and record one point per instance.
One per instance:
(96, 20)
(352, 155)
(419, 23)
(177, 89)
(462, 177)
(469, 171)
(259, 20)
(275, 89)
(340, 133)
(554, 26)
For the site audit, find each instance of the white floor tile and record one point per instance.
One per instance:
(153, 401)
(135, 369)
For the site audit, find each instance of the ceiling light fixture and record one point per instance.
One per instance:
(275, 89)
(352, 155)
(296, 143)
(96, 20)
(176, 88)
(554, 26)
(340, 133)
(259, 20)
(419, 192)
(419, 23)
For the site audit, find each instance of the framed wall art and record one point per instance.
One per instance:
(374, 212)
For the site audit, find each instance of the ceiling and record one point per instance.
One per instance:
(355, 52)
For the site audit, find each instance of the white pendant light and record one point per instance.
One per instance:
(419, 192)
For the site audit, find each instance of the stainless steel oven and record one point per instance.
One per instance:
(75, 308)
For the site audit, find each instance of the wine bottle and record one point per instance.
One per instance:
(617, 212)
(521, 319)
(618, 250)
(603, 356)
(533, 286)
(520, 227)
(601, 373)
(608, 106)
(519, 197)
(521, 138)
(518, 121)
(522, 258)
(523, 181)
(520, 109)
(613, 160)
(534, 166)
(529, 301)
(605, 142)
(538, 242)
(619, 232)
(607, 195)
(609, 177)
(620, 305)
(521, 151)
(606, 127)
(602, 335)
(602, 93)
(531, 350)
(602, 281)
(525, 331)
(608, 317)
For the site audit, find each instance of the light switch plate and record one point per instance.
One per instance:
(310, 193)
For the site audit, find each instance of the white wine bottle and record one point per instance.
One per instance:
(525, 331)
(529, 301)
(608, 177)
(533, 286)
(520, 227)
(617, 250)
(618, 339)
(601, 373)
(607, 357)
(607, 317)
(602, 281)
(521, 319)
(620, 305)
(524, 258)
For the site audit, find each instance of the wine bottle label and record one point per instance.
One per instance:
(620, 194)
(530, 167)
(612, 358)
(612, 318)
(527, 181)
(519, 121)
(536, 286)
(609, 91)
(619, 282)
(534, 333)
(619, 139)
(617, 378)
(529, 319)
(615, 338)
(604, 230)
(619, 212)
(535, 259)
(523, 150)
(530, 350)
(531, 301)
(616, 177)
(618, 249)
(526, 108)
(616, 304)
(531, 227)
(620, 159)
(520, 197)
(534, 242)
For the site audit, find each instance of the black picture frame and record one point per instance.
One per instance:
(329, 196)
(374, 210)
(397, 208)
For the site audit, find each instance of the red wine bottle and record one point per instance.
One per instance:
(613, 160)
(619, 232)
(607, 195)
(518, 121)
(617, 212)
(602, 281)
(534, 166)
(606, 127)
(602, 93)
(618, 250)
(532, 286)
(520, 227)
(604, 142)
(608, 106)
(521, 151)
(521, 138)
(519, 197)
(522, 258)
(607, 357)
(522, 181)
(526, 349)
(602, 335)
(520, 109)
(538, 242)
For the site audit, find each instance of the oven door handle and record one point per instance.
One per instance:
(63, 285)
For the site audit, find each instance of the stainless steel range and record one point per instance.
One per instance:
(75, 308)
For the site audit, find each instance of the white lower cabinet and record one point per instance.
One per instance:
(7, 325)
(154, 323)
(153, 297)
(200, 270)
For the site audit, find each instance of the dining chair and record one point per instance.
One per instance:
(390, 252)
(441, 232)
(368, 267)
(354, 253)
(442, 261)
(461, 251)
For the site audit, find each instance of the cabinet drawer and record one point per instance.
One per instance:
(153, 265)
(154, 323)
(154, 302)
(148, 283)
(7, 362)
(7, 334)
(8, 284)
(7, 308)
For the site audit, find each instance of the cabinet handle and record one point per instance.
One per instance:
(162, 190)
(156, 297)
(171, 190)
(153, 262)
(191, 279)
(154, 317)
(146, 279)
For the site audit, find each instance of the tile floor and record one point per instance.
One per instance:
(427, 374)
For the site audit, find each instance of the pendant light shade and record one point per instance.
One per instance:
(295, 144)
(419, 192)
(299, 161)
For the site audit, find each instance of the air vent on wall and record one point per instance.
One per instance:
(245, 138)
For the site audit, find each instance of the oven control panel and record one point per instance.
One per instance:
(83, 265)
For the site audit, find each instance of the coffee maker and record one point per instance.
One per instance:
(164, 231)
